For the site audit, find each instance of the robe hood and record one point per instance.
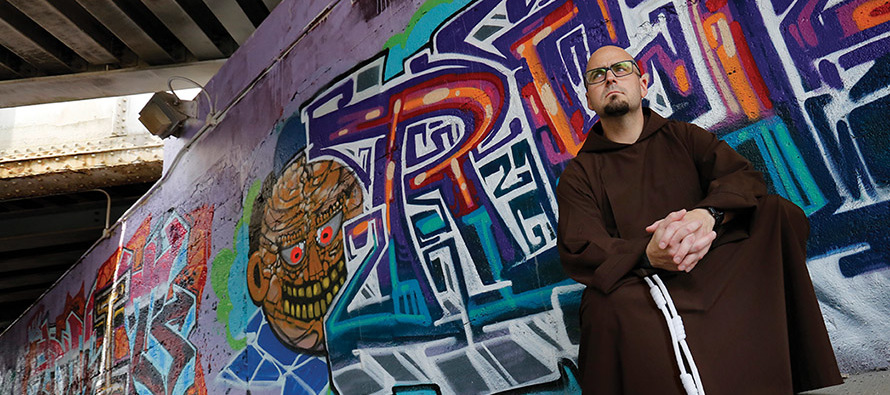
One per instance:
(597, 141)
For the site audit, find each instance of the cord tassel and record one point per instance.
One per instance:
(691, 382)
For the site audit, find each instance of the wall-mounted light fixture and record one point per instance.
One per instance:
(164, 114)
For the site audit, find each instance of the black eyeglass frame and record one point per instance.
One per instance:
(607, 69)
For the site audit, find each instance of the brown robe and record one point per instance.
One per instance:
(752, 320)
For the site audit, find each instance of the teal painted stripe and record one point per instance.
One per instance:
(782, 161)
(804, 177)
(429, 224)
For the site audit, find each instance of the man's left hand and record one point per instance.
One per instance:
(688, 238)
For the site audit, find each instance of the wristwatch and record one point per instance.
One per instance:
(718, 216)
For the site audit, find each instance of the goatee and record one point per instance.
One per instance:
(616, 108)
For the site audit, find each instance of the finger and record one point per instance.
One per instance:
(685, 230)
(664, 224)
(698, 257)
(692, 265)
(683, 248)
(676, 232)
(695, 259)
(702, 242)
(668, 233)
(688, 262)
(677, 215)
(651, 228)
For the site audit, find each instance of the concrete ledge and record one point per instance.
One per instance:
(877, 383)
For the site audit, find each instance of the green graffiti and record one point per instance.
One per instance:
(221, 269)
(402, 38)
(418, 32)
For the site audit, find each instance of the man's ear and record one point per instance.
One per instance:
(644, 84)
(589, 104)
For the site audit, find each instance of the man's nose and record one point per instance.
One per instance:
(611, 77)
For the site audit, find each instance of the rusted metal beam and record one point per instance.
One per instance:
(72, 35)
(74, 182)
(72, 172)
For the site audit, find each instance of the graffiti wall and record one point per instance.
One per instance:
(384, 218)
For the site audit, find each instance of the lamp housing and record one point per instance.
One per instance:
(165, 114)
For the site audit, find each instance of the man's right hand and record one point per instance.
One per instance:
(681, 253)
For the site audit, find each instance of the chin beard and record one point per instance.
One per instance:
(616, 108)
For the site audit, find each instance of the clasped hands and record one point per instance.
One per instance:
(680, 239)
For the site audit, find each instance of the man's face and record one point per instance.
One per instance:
(615, 96)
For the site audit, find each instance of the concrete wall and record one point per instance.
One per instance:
(374, 212)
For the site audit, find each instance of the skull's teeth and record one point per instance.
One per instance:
(312, 300)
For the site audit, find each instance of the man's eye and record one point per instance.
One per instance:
(620, 68)
(598, 73)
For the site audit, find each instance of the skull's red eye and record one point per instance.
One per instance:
(292, 255)
(296, 254)
(326, 234)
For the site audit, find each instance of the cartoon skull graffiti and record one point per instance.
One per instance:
(297, 264)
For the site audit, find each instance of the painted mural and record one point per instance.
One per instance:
(401, 240)
(127, 332)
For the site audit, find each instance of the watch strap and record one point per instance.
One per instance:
(718, 216)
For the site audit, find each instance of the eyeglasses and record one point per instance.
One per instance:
(620, 69)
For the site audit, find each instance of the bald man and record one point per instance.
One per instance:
(666, 224)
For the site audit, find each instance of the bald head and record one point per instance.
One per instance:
(605, 55)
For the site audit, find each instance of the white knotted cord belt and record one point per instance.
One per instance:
(691, 382)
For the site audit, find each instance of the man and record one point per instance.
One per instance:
(645, 196)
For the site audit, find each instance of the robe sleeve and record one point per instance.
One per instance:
(728, 179)
(589, 254)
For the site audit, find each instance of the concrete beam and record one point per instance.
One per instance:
(93, 85)
(28, 41)
(184, 28)
(127, 30)
(67, 31)
(233, 18)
